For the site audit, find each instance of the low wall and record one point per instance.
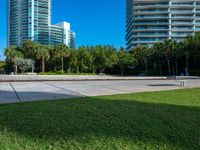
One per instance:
(15, 78)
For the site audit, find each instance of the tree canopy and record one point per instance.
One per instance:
(163, 58)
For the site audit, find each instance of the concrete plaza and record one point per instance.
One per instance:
(14, 92)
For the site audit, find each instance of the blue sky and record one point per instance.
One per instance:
(94, 21)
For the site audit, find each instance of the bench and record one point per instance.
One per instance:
(182, 82)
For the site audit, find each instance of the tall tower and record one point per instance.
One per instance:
(151, 21)
(28, 20)
(13, 19)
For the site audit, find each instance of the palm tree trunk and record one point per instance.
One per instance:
(173, 67)
(169, 67)
(15, 67)
(146, 70)
(93, 70)
(187, 62)
(43, 65)
(32, 68)
(69, 70)
(160, 67)
(62, 61)
(122, 68)
(146, 65)
(176, 68)
(77, 69)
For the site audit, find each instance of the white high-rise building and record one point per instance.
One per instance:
(31, 20)
(69, 36)
(151, 21)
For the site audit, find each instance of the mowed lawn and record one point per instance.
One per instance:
(157, 120)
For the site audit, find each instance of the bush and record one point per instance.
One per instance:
(195, 72)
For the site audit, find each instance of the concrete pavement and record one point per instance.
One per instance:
(14, 92)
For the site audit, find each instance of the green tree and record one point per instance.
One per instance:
(189, 45)
(158, 55)
(195, 50)
(93, 50)
(2, 65)
(25, 64)
(124, 60)
(104, 57)
(143, 53)
(73, 61)
(61, 52)
(168, 51)
(43, 54)
(84, 59)
(29, 49)
(12, 54)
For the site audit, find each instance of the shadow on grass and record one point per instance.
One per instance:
(103, 118)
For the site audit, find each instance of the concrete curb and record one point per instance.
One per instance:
(26, 78)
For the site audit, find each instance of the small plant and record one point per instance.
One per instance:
(25, 64)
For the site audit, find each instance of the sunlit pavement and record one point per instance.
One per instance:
(14, 92)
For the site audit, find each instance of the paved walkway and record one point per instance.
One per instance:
(13, 92)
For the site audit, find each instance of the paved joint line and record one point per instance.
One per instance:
(104, 87)
(19, 99)
(63, 89)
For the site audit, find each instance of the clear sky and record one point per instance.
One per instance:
(94, 21)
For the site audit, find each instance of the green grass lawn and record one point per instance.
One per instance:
(159, 120)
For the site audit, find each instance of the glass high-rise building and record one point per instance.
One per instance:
(151, 21)
(31, 20)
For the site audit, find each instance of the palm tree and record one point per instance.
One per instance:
(12, 54)
(61, 51)
(43, 54)
(168, 51)
(143, 53)
(196, 47)
(187, 49)
(158, 54)
(29, 47)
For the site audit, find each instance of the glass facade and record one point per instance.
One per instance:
(151, 21)
(72, 39)
(14, 22)
(31, 20)
(57, 35)
(28, 20)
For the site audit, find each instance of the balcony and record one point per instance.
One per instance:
(151, 18)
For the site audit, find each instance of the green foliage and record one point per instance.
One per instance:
(25, 64)
(73, 61)
(84, 60)
(168, 120)
(104, 57)
(163, 58)
(13, 53)
(143, 53)
(29, 49)
(43, 54)
(61, 51)
(2, 65)
(124, 60)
